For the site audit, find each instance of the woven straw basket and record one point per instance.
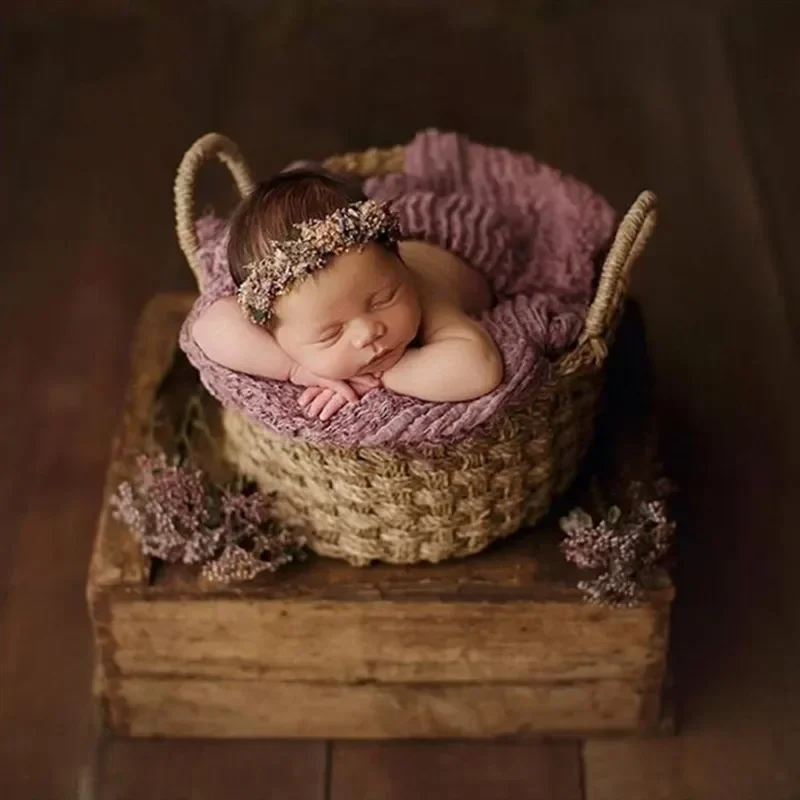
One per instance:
(364, 504)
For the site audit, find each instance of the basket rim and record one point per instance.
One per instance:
(581, 363)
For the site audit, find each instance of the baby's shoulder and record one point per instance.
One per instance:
(445, 278)
(435, 264)
(442, 317)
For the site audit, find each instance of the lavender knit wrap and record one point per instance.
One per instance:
(533, 231)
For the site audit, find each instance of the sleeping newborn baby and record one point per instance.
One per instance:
(330, 299)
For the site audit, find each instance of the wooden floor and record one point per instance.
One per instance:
(696, 100)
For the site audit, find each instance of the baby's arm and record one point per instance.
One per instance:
(227, 337)
(459, 361)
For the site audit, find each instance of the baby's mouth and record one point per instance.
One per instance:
(380, 358)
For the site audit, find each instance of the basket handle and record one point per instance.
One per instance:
(212, 145)
(632, 234)
(367, 163)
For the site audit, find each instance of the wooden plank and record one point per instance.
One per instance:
(210, 770)
(432, 771)
(384, 642)
(117, 558)
(528, 567)
(736, 763)
(246, 709)
(45, 714)
(525, 568)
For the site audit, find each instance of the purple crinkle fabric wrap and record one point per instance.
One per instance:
(533, 231)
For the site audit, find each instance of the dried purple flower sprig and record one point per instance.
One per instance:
(181, 516)
(625, 546)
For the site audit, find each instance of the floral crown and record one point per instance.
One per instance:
(309, 249)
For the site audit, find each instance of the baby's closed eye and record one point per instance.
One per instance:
(330, 335)
(384, 297)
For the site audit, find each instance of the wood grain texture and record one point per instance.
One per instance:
(384, 642)
(740, 763)
(431, 771)
(247, 709)
(117, 558)
(204, 770)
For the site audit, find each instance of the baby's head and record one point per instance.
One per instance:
(355, 312)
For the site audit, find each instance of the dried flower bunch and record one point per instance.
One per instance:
(309, 249)
(181, 516)
(624, 546)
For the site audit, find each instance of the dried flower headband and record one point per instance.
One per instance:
(309, 250)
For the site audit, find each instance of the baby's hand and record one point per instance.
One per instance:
(364, 383)
(323, 398)
(300, 376)
(321, 402)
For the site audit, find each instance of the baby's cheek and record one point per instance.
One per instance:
(407, 319)
(328, 364)
(307, 358)
(333, 364)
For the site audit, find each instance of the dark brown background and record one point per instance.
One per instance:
(697, 101)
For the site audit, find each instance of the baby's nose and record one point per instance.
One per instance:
(368, 332)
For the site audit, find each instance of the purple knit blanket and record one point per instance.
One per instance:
(533, 231)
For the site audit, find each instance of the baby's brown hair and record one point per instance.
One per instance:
(276, 205)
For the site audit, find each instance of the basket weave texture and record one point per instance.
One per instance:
(365, 504)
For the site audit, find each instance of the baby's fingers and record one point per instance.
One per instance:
(319, 402)
(335, 404)
(308, 395)
(344, 389)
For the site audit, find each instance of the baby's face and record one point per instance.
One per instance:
(355, 317)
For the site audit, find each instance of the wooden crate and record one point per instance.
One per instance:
(497, 645)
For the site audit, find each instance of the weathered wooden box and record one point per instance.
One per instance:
(497, 645)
